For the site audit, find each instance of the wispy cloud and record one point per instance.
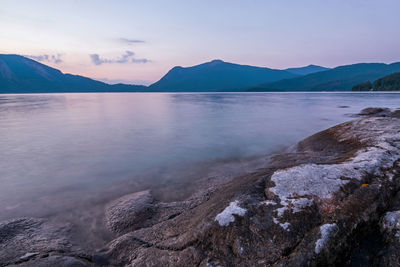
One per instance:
(56, 59)
(140, 60)
(130, 41)
(128, 57)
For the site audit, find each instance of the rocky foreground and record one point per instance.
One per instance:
(333, 199)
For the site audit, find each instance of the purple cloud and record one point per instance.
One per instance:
(128, 57)
(130, 41)
(56, 59)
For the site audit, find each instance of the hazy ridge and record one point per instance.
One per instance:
(19, 74)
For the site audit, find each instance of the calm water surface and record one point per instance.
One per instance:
(56, 148)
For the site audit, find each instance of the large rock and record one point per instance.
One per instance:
(36, 242)
(306, 208)
(53, 260)
(375, 112)
(129, 212)
(390, 228)
(391, 224)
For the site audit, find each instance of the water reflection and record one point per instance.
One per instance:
(24, 104)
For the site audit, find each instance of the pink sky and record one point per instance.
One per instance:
(138, 42)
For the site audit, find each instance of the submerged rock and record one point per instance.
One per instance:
(375, 111)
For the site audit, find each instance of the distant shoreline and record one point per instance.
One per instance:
(284, 92)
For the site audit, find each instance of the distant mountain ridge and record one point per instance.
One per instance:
(217, 75)
(306, 70)
(341, 78)
(19, 74)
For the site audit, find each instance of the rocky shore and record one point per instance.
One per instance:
(333, 199)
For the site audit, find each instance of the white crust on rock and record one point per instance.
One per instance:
(297, 187)
(327, 231)
(226, 216)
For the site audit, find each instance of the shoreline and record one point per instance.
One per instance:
(302, 208)
(85, 214)
(92, 212)
(211, 92)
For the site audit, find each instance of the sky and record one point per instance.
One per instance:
(139, 41)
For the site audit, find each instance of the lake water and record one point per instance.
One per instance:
(56, 149)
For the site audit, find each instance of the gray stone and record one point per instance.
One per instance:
(27, 240)
(129, 212)
(55, 260)
(375, 112)
(390, 227)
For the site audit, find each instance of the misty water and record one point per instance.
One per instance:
(57, 150)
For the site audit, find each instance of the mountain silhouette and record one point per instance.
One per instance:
(217, 75)
(20, 74)
(341, 78)
(306, 70)
(388, 83)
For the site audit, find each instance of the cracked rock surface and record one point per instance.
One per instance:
(129, 212)
(317, 204)
(36, 242)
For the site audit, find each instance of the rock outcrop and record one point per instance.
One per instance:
(305, 208)
(390, 230)
(129, 212)
(321, 203)
(36, 242)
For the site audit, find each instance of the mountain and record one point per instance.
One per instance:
(365, 86)
(341, 78)
(388, 83)
(19, 74)
(217, 75)
(306, 70)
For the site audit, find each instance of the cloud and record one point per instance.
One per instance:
(96, 59)
(128, 57)
(130, 41)
(140, 60)
(56, 59)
